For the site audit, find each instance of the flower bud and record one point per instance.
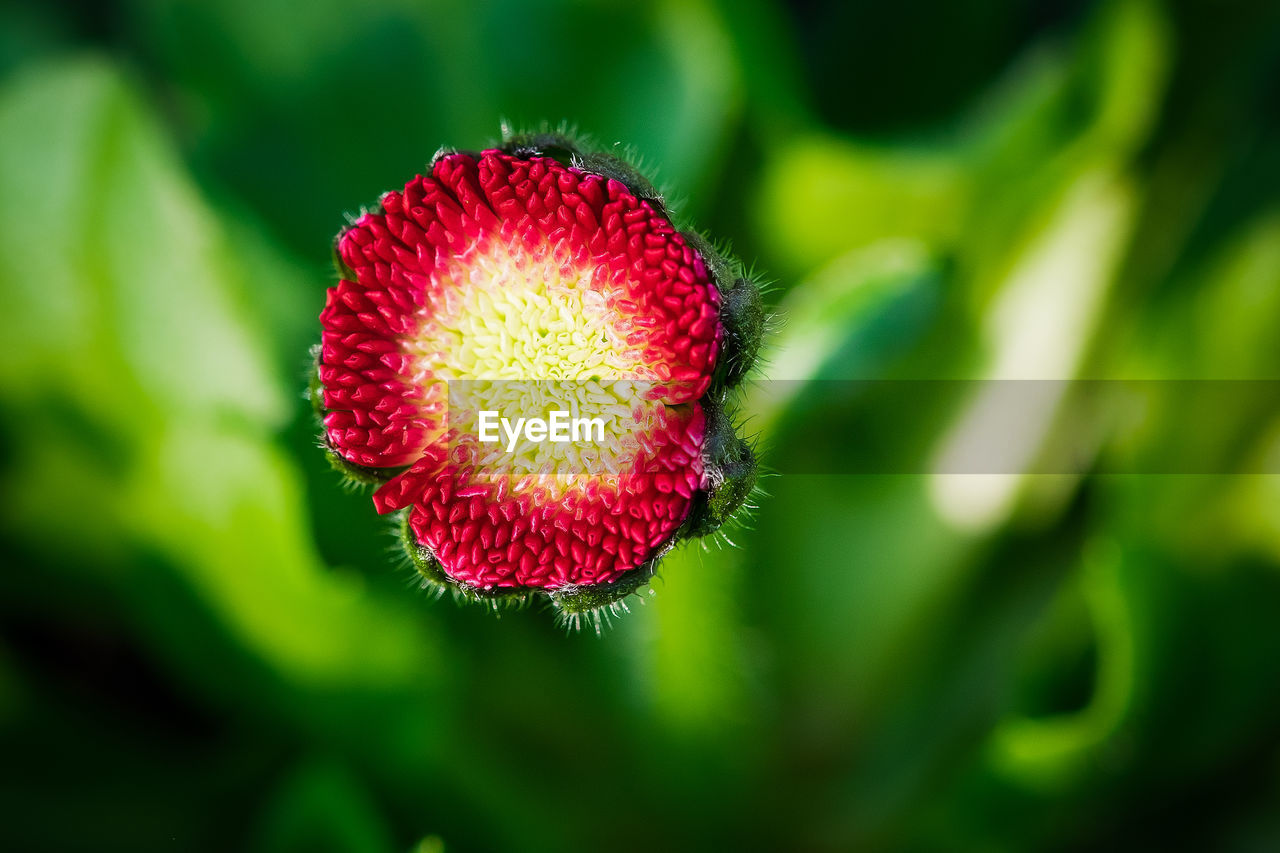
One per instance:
(535, 285)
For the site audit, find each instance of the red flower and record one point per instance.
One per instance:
(506, 281)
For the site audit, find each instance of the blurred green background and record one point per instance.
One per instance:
(206, 644)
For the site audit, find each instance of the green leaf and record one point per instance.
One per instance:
(141, 401)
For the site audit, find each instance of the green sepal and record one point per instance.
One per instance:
(426, 564)
(583, 598)
(315, 388)
(560, 145)
(597, 604)
(742, 313)
(731, 471)
(433, 577)
(615, 168)
(570, 150)
(721, 266)
(574, 605)
(357, 475)
(744, 320)
(353, 474)
(344, 272)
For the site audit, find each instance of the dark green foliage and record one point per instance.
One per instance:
(204, 645)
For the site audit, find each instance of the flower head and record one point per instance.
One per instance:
(511, 286)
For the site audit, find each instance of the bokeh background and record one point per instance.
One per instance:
(206, 644)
